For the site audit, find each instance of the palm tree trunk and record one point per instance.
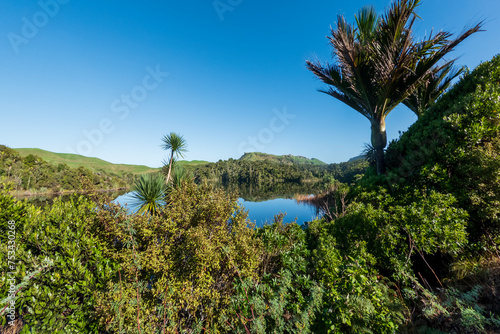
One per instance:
(379, 154)
(379, 141)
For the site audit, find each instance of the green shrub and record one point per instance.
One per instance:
(356, 298)
(284, 298)
(177, 269)
(461, 310)
(455, 148)
(283, 303)
(60, 267)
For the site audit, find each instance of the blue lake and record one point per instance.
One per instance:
(264, 211)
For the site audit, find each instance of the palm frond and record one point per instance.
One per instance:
(175, 143)
(367, 21)
(149, 193)
(438, 82)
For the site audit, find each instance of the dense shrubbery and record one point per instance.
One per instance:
(185, 268)
(455, 148)
(387, 260)
(60, 265)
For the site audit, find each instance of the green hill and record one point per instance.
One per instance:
(75, 161)
(282, 159)
(95, 164)
(192, 163)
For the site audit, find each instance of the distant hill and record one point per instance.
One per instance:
(281, 159)
(95, 164)
(76, 160)
(192, 163)
(359, 157)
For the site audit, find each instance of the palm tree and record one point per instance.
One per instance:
(426, 94)
(149, 193)
(177, 146)
(379, 64)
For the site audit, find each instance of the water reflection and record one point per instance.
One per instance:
(44, 200)
(262, 201)
(264, 211)
(268, 191)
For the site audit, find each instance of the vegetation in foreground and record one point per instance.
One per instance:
(413, 251)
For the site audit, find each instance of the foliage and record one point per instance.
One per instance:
(263, 172)
(281, 159)
(440, 196)
(60, 266)
(11, 209)
(177, 146)
(376, 237)
(284, 298)
(455, 148)
(459, 310)
(149, 193)
(356, 299)
(281, 304)
(426, 94)
(393, 231)
(35, 174)
(177, 268)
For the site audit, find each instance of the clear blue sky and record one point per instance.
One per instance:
(110, 78)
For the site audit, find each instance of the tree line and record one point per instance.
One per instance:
(258, 172)
(35, 174)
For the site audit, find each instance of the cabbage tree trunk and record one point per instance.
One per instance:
(170, 167)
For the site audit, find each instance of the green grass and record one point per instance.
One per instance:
(94, 164)
(283, 159)
(192, 163)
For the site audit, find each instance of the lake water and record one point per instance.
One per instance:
(263, 211)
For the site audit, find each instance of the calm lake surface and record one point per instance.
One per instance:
(262, 211)
(262, 203)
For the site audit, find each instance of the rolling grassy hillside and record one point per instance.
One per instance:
(192, 163)
(75, 161)
(95, 164)
(283, 159)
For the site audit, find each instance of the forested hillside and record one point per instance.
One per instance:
(256, 171)
(283, 159)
